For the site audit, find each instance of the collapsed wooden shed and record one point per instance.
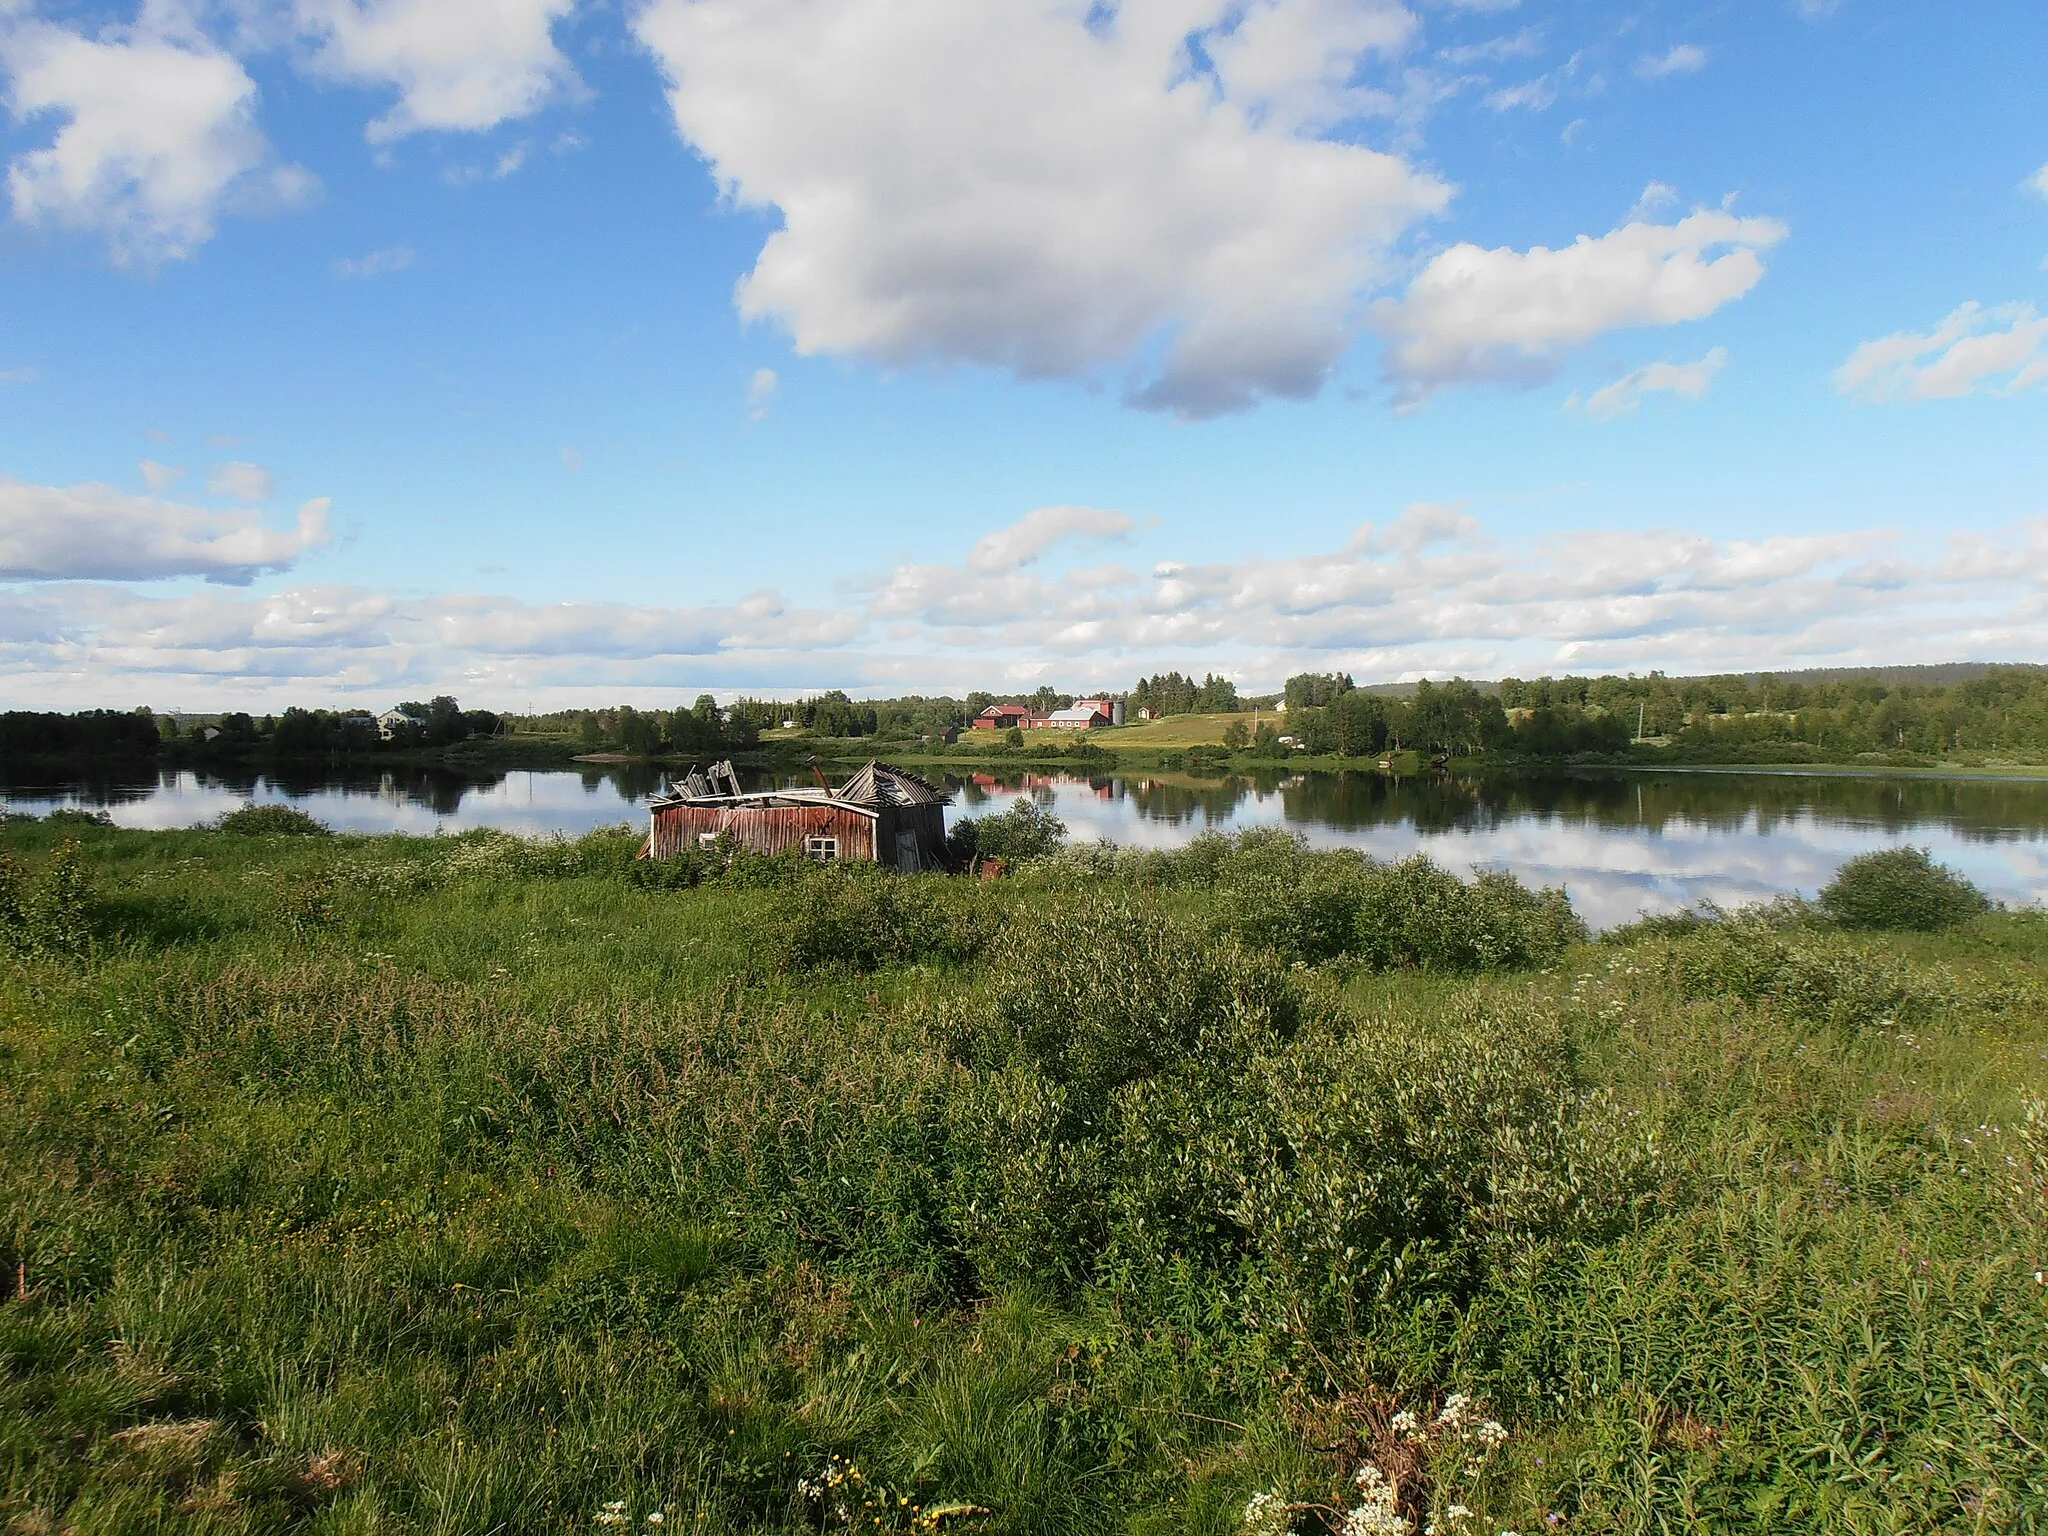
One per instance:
(882, 815)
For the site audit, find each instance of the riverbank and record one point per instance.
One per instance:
(1194, 748)
(1100, 751)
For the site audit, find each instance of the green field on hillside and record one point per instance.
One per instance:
(468, 1185)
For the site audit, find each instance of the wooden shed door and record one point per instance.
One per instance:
(906, 853)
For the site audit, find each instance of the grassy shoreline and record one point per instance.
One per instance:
(465, 1184)
(1116, 753)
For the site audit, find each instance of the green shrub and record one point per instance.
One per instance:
(1025, 831)
(1095, 994)
(1405, 1151)
(1147, 1101)
(1664, 925)
(50, 912)
(1274, 893)
(860, 918)
(1094, 1014)
(963, 842)
(1193, 865)
(1415, 914)
(270, 820)
(72, 816)
(1813, 977)
(1900, 888)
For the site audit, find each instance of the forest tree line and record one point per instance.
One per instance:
(2004, 709)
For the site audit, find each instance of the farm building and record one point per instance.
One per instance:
(882, 815)
(1001, 717)
(1084, 714)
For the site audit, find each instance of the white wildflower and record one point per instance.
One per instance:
(1457, 1407)
(1266, 1514)
(1378, 1513)
(1458, 1512)
(613, 1513)
(1406, 1424)
(1492, 1434)
(1375, 1520)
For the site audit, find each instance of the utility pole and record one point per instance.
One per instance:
(1639, 722)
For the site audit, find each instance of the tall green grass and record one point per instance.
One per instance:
(468, 1184)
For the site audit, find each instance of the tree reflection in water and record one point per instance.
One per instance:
(1983, 809)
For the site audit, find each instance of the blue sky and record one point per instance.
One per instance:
(548, 352)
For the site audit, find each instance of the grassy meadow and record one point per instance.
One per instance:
(464, 1185)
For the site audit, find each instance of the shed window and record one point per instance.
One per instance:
(823, 849)
(707, 840)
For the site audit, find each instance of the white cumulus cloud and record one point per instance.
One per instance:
(1503, 314)
(2039, 181)
(158, 134)
(1038, 531)
(1975, 350)
(1434, 590)
(1689, 381)
(1049, 190)
(241, 480)
(1430, 591)
(55, 533)
(462, 65)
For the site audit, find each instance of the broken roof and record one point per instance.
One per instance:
(869, 790)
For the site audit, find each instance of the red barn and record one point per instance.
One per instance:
(1002, 717)
(882, 815)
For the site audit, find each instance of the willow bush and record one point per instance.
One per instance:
(1900, 888)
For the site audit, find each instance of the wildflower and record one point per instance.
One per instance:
(1406, 1424)
(1266, 1514)
(657, 1518)
(1378, 1513)
(1453, 1413)
(1458, 1512)
(613, 1513)
(1492, 1434)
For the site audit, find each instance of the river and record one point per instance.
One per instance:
(1621, 843)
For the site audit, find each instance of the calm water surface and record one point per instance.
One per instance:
(1622, 843)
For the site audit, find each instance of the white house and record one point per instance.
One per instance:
(392, 721)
